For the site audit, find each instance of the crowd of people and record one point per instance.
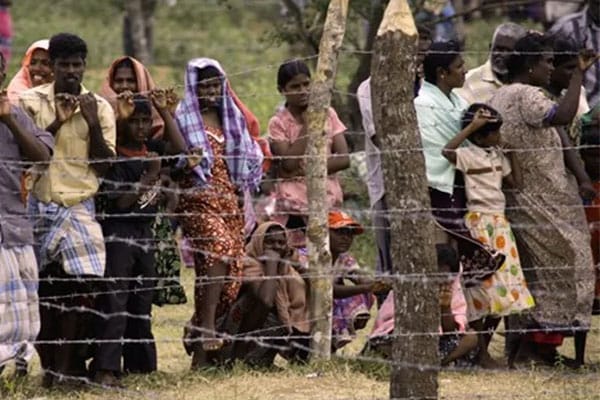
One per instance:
(91, 183)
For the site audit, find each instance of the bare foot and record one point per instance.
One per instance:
(487, 362)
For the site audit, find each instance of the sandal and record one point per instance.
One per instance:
(212, 344)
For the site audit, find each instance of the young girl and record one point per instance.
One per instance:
(288, 133)
(485, 167)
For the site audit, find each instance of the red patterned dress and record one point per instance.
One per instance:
(213, 224)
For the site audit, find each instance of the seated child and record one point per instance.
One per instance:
(457, 342)
(485, 167)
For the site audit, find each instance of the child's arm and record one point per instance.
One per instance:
(175, 142)
(481, 118)
(515, 178)
(574, 164)
(125, 201)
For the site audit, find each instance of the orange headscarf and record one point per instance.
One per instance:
(22, 81)
(145, 83)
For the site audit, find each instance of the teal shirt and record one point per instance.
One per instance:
(439, 118)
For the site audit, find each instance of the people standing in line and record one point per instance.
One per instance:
(22, 142)
(69, 241)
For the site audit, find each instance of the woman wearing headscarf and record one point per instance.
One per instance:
(227, 163)
(272, 302)
(126, 77)
(35, 71)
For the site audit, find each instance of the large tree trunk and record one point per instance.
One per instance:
(415, 356)
(319, 257)
(138, 27)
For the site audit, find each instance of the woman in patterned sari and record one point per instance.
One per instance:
(227, 163)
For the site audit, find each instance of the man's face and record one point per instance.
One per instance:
(68, 72)
(500, 50)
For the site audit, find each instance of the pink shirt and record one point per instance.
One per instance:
(291, 193)
(384, 324)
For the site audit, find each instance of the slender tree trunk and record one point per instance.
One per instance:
(321, 291)
(415, 358)
(357, 142)
(138, 29)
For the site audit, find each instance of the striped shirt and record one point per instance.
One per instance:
(586, 33)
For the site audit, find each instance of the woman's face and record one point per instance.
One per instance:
(340, 239)
(209, 92)
(39, 67)
(124, 79)
(541, 72)
(276, 241)
(562, 74)
(296, 91)
(454, 77)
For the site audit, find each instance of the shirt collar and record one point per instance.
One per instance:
(488, 75)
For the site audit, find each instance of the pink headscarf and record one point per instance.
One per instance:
(22, 80)
(145, 83)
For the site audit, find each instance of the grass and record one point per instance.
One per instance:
(207, 28)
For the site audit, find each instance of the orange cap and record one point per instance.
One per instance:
(339, 219)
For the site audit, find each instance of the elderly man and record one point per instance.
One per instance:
(584, 28)
(482, 82)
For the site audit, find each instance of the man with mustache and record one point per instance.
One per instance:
(482, 82)
(69, 241)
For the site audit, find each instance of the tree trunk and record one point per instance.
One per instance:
(415, 348)
(319, 257)
(357, 142)
(138, 29)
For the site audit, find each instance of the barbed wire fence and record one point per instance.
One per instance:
(257, 336)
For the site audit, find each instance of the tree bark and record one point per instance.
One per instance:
(138, 29)
(319, 256)
(357, 142)
(415, 347)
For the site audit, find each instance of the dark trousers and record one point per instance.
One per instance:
(64, 300)
(127, 304)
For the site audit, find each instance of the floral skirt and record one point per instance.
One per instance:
(505, 292)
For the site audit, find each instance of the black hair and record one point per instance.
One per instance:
(446, 255)
(2, 60)
(142, 105)
(289, 69)
(124, 63)
(64, 45)
(528, 51)
(208, 73)
(423, 31)
(439, 55)
(488, 128)
(565, 49)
